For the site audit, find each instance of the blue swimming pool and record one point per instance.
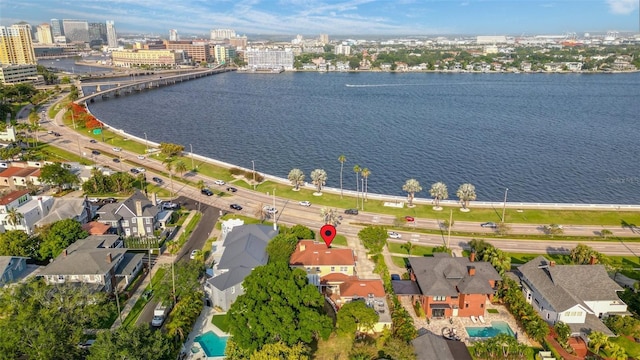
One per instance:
(496, 328)
(212, 344)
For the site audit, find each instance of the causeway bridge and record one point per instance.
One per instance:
(116, 89)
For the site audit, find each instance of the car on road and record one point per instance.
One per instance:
(351, 211)
(157, 180)
(50, 132)
(305, 203)
(235, 207)
(232, 189)
(109, 200)
(93, 141)
(270, 209)
(116, 149)
(95, 152)
(93, 200)
(140, 157)
(489, 224)
(193, 255)
(135, 171)
(207, 192)
(56, 134)
(395, 277)
(219, 182)
(409, 218)
(116, 160)
(170, 205)
(141, 169)
(394, 235)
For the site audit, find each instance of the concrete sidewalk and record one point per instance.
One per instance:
(164, 259)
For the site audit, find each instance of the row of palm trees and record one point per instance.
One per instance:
(466, 192)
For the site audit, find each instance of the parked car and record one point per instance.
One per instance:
(193, 254)
(170, 206)
(93, 200)
(95, 152)
(110, 200)
(219, 182)
(157, 180)
(207, 192)
(116, 149)
(235, 207)
(232, 189)
(304, 203)
(351, 211)
(147, 294)
(409, 218)
(489, 224)
(394, 235)
(395, 277)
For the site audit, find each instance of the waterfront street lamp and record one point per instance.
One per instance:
(146, 143)
(275, 216)
(362, 190)
(253, 167)
(191, 151)
(504, 205)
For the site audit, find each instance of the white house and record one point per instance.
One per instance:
(31, 210)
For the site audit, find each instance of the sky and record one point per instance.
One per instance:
(339, 17)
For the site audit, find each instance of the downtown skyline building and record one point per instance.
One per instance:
(222, 34)
(76, 30)
(173, 35)
(16, 46)
(44, 34)
(112, 36)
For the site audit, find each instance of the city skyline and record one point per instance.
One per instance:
(352, 17)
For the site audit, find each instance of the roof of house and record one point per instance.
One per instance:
(11, 197)
(246, 246)
(24, 172)
(430, 346)
(108, 212)
(96, 228)
(334, 278)
(444, 275)
(129, 263)
(230, 278)
(591, 324)
(564, 286)
(148, 209)
(12, 171)
(63, 208)
(84, 261)
(405, 287)
(313, 253)
(355, 287)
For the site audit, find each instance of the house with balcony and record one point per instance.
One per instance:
(100, 261)
(578, 295)
(136, 216)
(448, 286)
(325, 267)
(31, 210)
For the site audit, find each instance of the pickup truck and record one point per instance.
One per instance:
(160, 314)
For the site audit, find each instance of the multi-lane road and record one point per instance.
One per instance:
(290, 212)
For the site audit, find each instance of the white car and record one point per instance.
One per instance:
(304, 203)
(270, 209)
(219, 182)
(141, 157)
(141, 169)
(394, 235)
(117, 149)
(193, 254)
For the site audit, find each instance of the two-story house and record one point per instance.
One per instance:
(578, 295)
(325, 267)
(98, 260)
(136, 216)
(30, 210)
(448, 287)
(79, 209)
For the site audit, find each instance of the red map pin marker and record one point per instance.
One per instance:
(328, 232)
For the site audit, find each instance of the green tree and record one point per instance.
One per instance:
(131, 342)
(582, 254)
(342, 159)
(59, 236)
(442, 249)
(58, 175)
(289, 310)
(397, 349)
(365, 175)
(319, 178)
(563, 332)
(624, 325)
(169, 165)
(14, 217)
(354, 317)
(281, 247)
(411, 186)
(121, 182)
(466, 193)
(553, 229)
(605, 233)
(330, 216)
(296, 176)
(180, 167)
(282, 351)
(597, 340)
(184, 314)
(408, 247)
(438, 192)
(374, 238)
(301, 232)
(18, 243)
(186, 276)
(171, 150)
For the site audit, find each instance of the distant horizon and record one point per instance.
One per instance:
(356, 17)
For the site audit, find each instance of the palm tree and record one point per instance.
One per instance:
(330, 216)
(466, 192)
(597, 340)
(408, 247)
(319, 178)
(357, 169)
(438, 192)
(168, 164)
(180, 167)
(342, 160)
(365, 174)
(296, 176)
(14, 217)
(605, 232)
(411, 186)
(200, 184)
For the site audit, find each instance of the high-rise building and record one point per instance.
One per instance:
(56, 28)
(98, 33)
(76, 30)
(222, 34)
(16, 46)
(324, 38)
(44, 35)
(112, 37)
(173, 35)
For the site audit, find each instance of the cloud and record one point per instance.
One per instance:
(466, 3)
(622, 7)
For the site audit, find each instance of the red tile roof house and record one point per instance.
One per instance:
(449, 287)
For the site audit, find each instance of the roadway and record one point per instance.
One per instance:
(290, 213)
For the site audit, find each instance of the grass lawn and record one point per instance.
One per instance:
(220, 321)
(335, 348)
(399, 261)
(141, 303)
(493, 311)
(340, 240)
(418, 250)
(631, 347)
(54, 153)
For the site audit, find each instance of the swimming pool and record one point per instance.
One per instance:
(212, 344)
(496, 328)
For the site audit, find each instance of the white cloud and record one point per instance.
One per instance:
(622, 7)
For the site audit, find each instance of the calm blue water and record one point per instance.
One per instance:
(547, 137)
(212, 344)
(496, 328)
(69, 65)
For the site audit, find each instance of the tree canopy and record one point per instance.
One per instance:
(58, 175)
(18, 243)
(281, 247)
(59, 236)
(171, 150)
(289, 309)
(374, 238)
(132, 342)
(356, 316)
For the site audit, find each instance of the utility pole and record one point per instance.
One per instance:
(362, 190)
(450, 223)
(253, 167)
(275, 225)
(193, 167)
(504, 205)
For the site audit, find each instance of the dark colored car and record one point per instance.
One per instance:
(95, 152)
(351, 211)
(489, 225)
(206, 192)
(232, 189)
(93, 141)
(135, 171)
(109, 200)
(157, 180)
(56, 134)
(235, 207)
(116, 160)
(395, 277)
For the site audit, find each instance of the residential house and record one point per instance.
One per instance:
(98, 260)
(243, 249)
(31, 210)
(371, 291)
(429, 346)
(136, 216)
(15, 177)
(318, 261)
(12, 269)
(448, 287)
(79, 209)
(96, 228)
(578, 295)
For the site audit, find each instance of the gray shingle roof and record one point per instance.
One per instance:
(230, 278)
(148, 209)
(443, 275)
(63, 208)
(430, 346)
(87, 256)
(129, 263)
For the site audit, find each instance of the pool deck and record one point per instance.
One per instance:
(203, 324)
